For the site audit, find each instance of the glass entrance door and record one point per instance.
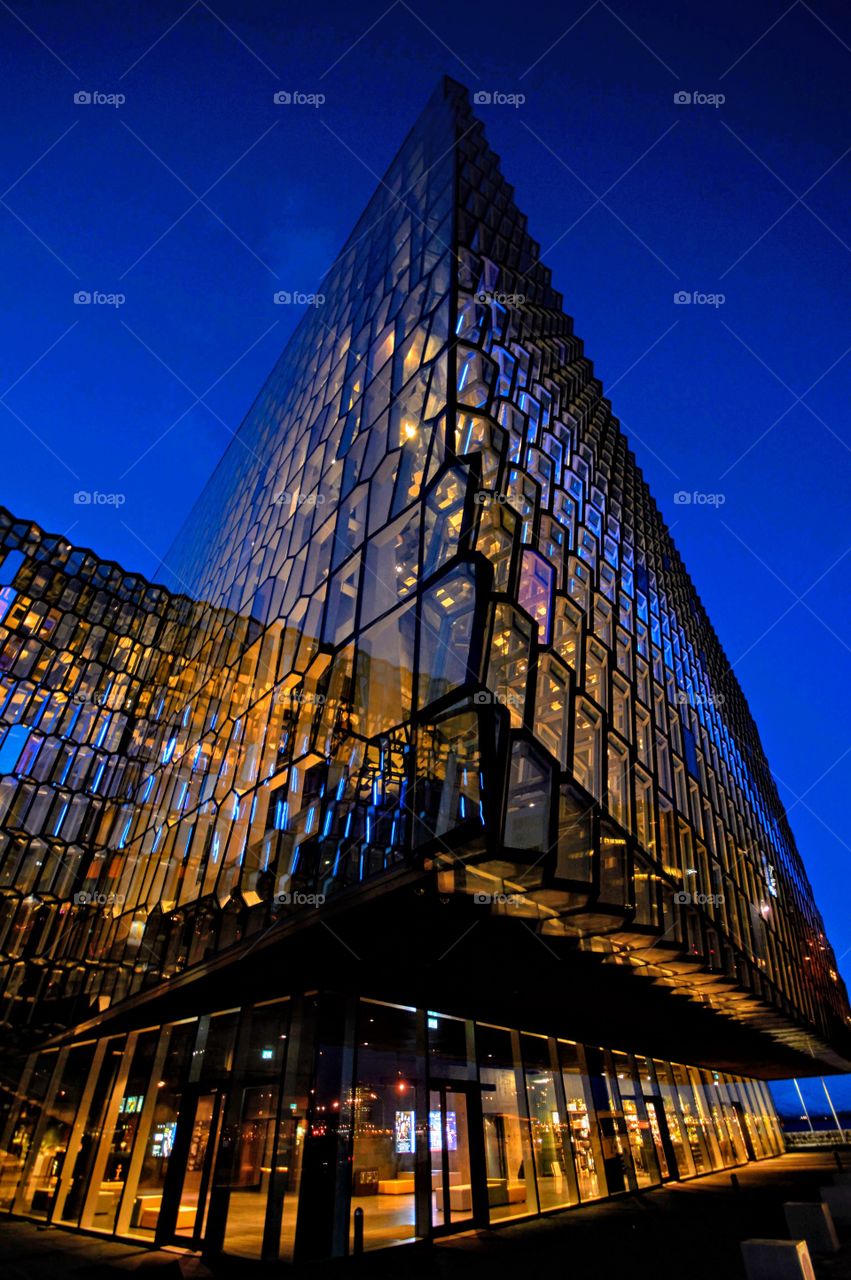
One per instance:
(201, 1142)
(665, 1153)
(455, 1193)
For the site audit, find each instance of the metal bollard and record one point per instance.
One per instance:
(734, 1182)
(838, 1158)
(357, 1245)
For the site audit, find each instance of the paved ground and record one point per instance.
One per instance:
(683, 1232)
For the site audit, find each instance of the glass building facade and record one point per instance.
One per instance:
(259, 1130)
(425, 714)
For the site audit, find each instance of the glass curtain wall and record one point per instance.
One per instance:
(195, 1132)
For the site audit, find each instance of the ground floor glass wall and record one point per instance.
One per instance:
(270, 1131)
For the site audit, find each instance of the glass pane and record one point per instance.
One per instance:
(617, 1157)
(160, 1124)
(656, 1118)
(680, 1148)
(385, 1121)
(691, 1120)
(447, 621)
(392, 564)
(587, 748)
(535, 592)
(384, 673)
(638, 1127)
(25, 1126)
(508, 1150)
(436, 1142)
(201, 1148)
(581, 1116)
(575, 850)
(550, 1141)
(527, 818)
(508, 673)
(448, 1048)
(122, 1133)
(251, 1170)
(69, 1203)
(456, 1136)
(443, 515)
(55, 1132)
(448, 775)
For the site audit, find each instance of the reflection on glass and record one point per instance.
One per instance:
(550, 1140)
(456, 1140)
(447, 621)
(614, 1142)
(656, 1118)
(670, 1104)
(508, 1151)
(251, 1171)
(385, 1123)
(535, 591)
(582, 1120)
(112, 1166)
(157, 1131)
(638, 1125)
(691, 1119)
(528, 808)
(47, 1158)
(449, 1147)
(448, 774)
(203, 1143)
(34, 1087)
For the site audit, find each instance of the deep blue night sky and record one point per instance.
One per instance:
(747, 199)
